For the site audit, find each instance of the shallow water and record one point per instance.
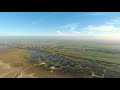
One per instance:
(52, 58)
(42, 55)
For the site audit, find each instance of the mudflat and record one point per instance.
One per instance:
(15, 64)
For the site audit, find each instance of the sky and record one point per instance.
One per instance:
(60, 24)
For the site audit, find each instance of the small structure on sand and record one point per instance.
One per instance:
(53, 67)
(43, 63)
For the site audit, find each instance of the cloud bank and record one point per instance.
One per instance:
(108, 30)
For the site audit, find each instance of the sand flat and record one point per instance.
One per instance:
(14, 62)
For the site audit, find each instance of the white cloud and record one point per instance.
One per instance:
(105, 32)
(71, 33)
(111, 36)
(106, 29)
(102, 28)
(95, 14)
(69, 26)
(59, 33)
(114, 22)
(89, 30)
(68, 30)
(108, 26)
(75, 32)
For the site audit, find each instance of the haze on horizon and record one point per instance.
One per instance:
(97, 25)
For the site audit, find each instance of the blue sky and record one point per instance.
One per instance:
(59, 23)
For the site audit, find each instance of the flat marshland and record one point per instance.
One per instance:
(59, 58)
